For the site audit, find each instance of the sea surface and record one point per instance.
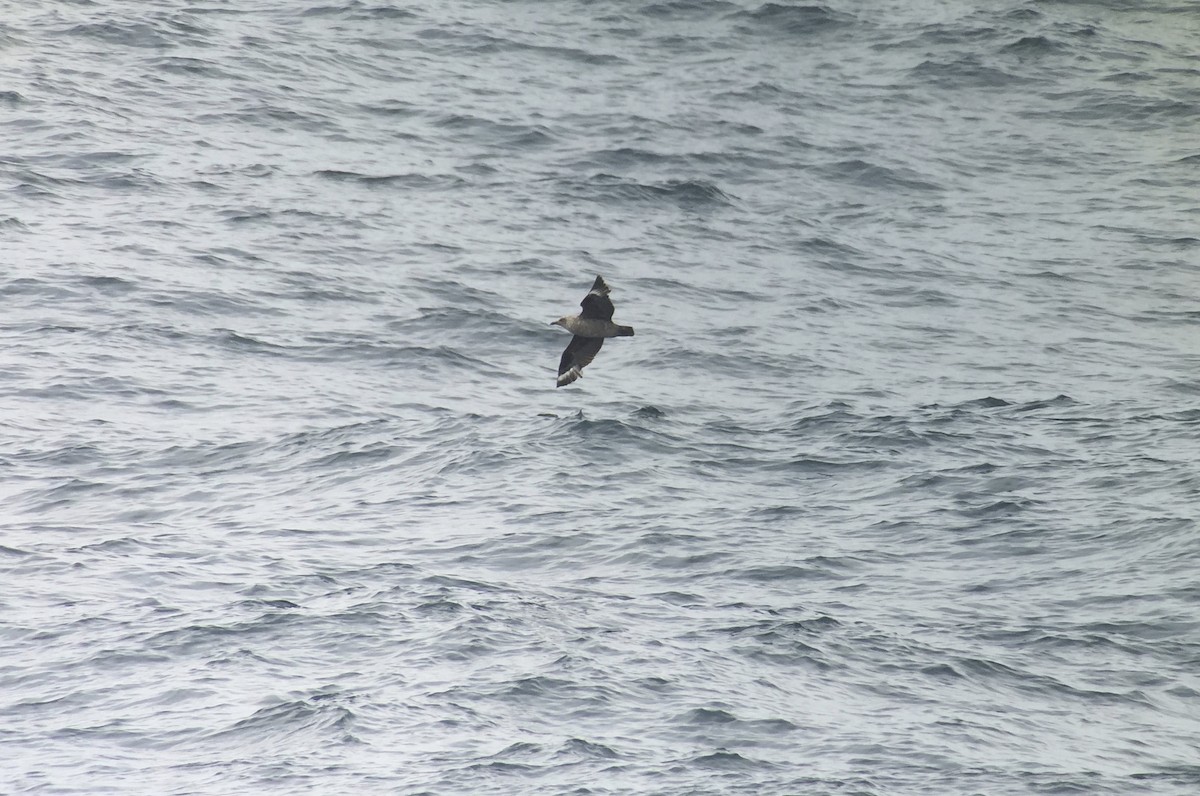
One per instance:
(895, 491)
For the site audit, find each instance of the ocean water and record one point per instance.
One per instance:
(894, 492)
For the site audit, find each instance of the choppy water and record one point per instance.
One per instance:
(895, 491)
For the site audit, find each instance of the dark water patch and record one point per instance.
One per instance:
(393, 108)
(828, 247)
(768, 92)
(522, 750)
(125, 658)
(191, 67)
(682, 194)
(1162, 631)
(573, 54)
(679, 598)
(467, 127)
(130, 180)
(732, 363)
(30, 286)
(226, 257)
(308, 286)
(782, 513)
(439, 607)
(457, 294)
(83, 161)
(634, 159)
(230, 340)
(479, 170)
(545, 687)
(110, 285)
(1186, 775)
(700, 296)
(214, 638)
(411, 180)
(998, 508)
(33, 191)
(252, 170)
(631, 157)
(468, 40)
(703, 716)
(30, 177)
(64, 494)
(279, 118)
(1128, 77)
(612, 435)
(1074, 641)
(460, 323)
(62, 455)
(727, 761)
(1186, 318)
(345, 437)
(792, 20)
(125, 33)
(686, 9)
(122, 546)
(289, 721)
(531, 139)
(1122, 109)
(246, 215)
(359, 10)
(199, 302)
(1057, 402)
(91, 384)
(907, 297)
(732, 333)
(480, 462)
(1023, 14)
(988, 402)
(892, 437)
(577, 748)
(835, 414)
(783, 641)
(1056, 276)
(278, 603)
(870, 175)
(353, 458)
(995, 672)
(1183, 386)
(787, 573)
(1033, 46)
(964, 73)
(945, 36)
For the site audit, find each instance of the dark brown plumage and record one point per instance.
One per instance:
(596, 304)
(590, 327)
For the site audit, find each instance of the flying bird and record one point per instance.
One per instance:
(590, 327)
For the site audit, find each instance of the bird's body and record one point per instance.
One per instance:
(590, 327)
(594, 327)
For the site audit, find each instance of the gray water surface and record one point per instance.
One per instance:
(894, 492)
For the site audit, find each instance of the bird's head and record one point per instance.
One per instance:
(560, 322)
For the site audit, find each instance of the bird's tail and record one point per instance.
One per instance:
(624, 331)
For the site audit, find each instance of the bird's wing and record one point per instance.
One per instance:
(596, 304)
(580, 351)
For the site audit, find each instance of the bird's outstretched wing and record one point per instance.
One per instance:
(580, 351)
(596, 304)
